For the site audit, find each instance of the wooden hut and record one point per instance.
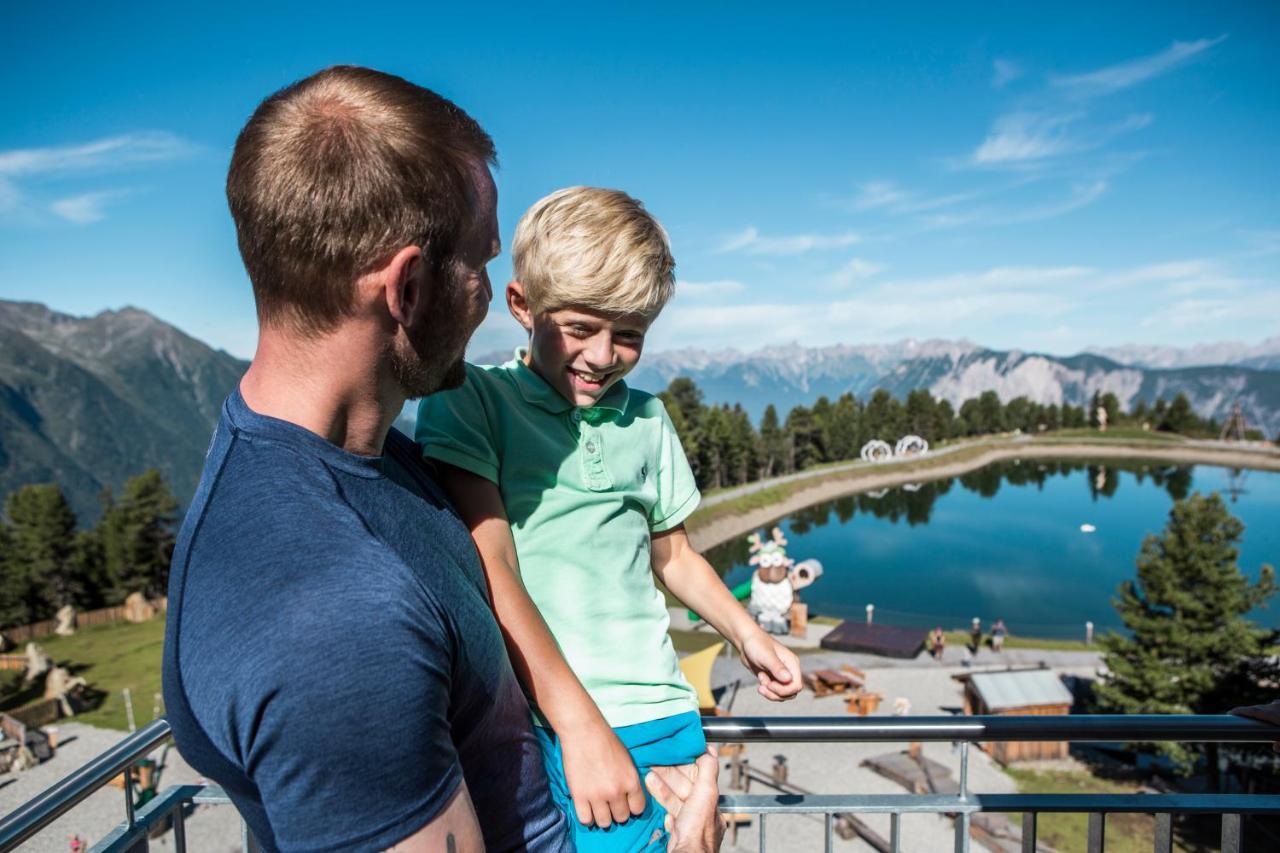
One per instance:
(1018, 692)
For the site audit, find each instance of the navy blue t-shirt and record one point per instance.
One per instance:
(330, 655)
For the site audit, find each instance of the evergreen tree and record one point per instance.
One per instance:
(806, 449)
(822, 428)
(41, 570)
(12, 580)
(919, 415)
(773, 443)
(1180, 417)
(1191, 647)
(136, 537)
(843, 431)
(883, 418)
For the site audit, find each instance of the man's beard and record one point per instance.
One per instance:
(417, 375)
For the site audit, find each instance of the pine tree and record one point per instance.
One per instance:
(40, 565)
(136, 535)
(843, 432)
(805, 442)
(1192, 648)
(12, 580)
(773, 444)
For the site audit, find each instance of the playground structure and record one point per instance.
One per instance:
(908, 446)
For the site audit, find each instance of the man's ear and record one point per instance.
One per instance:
(519, 306)
(406, 284)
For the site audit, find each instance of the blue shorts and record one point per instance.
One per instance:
(670, 740)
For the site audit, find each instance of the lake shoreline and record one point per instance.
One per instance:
(724, 525)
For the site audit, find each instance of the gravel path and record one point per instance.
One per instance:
(828, 768)
(211, 829)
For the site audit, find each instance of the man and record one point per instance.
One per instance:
(330, 656)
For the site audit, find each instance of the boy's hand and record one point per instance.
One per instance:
(773, 664)
(602, 778)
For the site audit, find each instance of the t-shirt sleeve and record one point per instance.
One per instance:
(350, 748)
(453, 427)
(677, 491)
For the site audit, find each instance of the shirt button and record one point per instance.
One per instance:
(591, 447)
(576, 416)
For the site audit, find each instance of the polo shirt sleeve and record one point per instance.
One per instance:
(453, 427)
(677, 491)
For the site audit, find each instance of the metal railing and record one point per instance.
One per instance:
(169, 806)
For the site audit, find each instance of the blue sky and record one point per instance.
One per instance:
(1042, 176)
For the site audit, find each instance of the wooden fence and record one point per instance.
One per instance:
(106, 616)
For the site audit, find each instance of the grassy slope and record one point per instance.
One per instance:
(111, 658)
(1068, 833)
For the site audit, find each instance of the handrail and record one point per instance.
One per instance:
(1148, 728)
(69, 791)
(38, 812)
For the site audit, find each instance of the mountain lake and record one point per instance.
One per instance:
(1008, 541)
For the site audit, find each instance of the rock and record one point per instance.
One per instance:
(58, 684)
(137, 608)
(66, 617)
(38, 663)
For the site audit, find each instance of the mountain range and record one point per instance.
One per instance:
(958, 370)
(87, 402)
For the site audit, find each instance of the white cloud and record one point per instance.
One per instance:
(708, 289)
(875, 194)
(100, 155)
(855, 271)
(1198, 314)
(751, 241)
(1122, 75)
(108, 152)
(1004, 72)
(1023, 136)
(85, 208)
(1080, 195)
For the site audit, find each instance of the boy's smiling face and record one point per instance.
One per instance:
(580, 352)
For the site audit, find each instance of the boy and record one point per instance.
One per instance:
(575, 489)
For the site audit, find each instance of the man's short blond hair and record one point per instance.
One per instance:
(593, 248)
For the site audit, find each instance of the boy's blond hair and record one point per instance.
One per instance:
(593, 248)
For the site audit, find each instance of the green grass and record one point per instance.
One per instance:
(110, 658)
(1068, 833)
(1118, 434)
(960, 637)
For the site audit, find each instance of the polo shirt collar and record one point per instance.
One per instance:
(539, 392)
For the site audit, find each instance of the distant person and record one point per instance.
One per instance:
(937, 643)
(998, 632)
(975, 635)
(331, 659)
(576, 490)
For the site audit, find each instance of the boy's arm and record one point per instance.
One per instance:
(692, 580)
(602, 779)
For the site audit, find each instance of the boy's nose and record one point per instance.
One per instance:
(599, 352)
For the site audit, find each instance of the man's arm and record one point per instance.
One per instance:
(602, 779)
(691, 579)
(454, 830)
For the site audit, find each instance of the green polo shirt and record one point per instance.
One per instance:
(584, 490)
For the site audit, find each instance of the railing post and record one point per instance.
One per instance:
(1029, 832)
(1097, 831)
(895, 832)
(762, 822)
(962, 818)
(180, 829)
(827, 840)
(1164, 833)
(128, 796)
(1231, 833)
